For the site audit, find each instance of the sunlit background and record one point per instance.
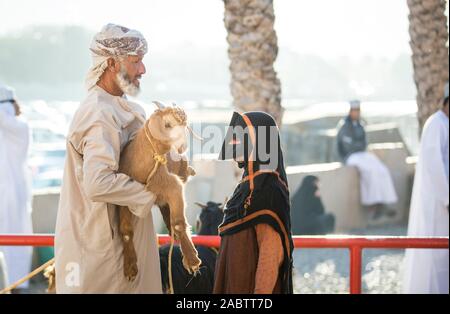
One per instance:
(329, 50)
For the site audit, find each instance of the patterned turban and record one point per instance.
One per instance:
(113, 41)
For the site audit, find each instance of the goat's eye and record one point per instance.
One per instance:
(168, 126)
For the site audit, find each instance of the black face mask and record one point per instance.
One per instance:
(254, 134)
(254, 137)
(235, 141)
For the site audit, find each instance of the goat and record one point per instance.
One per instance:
(145, 160)
(183, 283)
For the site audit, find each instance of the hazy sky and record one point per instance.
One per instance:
(329, 28)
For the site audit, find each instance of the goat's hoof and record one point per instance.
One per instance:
(131, 272)
(192, 265)
(130, 267)
(131, 278)
(192, 172)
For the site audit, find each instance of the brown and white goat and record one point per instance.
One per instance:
(149, 159)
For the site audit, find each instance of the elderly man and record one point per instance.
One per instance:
(377, 187)
(88, 248)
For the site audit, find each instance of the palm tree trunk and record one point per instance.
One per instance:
(429, 36)
(253, 49)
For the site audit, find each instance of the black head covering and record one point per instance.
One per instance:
(306, 206)
(306, 196)
(255, 137)
(263, 194)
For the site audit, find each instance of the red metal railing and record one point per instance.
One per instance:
(354, 243)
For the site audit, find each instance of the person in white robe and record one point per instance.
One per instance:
(88, 248)
(376, 184)
(426, 271)
(15, 201)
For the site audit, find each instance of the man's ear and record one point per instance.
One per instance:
(113, 65)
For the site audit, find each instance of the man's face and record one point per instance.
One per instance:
(355, 114)
(131, 70)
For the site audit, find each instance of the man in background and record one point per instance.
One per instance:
(377, 187)
(426, 271)
(15, 201)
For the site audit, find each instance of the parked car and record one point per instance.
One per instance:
(47, 163)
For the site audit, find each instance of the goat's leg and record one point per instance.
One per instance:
(181, 230)
(165, 213)
(130, 268)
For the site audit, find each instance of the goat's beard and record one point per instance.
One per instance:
(125, 84)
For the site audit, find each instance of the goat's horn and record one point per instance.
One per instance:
(202, 206)
(159, 105)
(195, 135)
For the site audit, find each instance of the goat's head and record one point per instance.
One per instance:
(169, 125)
(210, 218)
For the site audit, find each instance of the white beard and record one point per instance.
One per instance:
(127, 86)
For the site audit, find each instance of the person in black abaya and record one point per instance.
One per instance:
(255, 255)
(308, 213)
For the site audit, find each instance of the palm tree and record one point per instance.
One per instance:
(429, 36)
(253, 49)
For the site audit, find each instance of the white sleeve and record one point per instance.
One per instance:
(102, 182)
(12, 126)
(433, 163)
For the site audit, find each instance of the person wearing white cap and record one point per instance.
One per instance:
(427, 271)
(15, 202)
(88, 248)
(377, 187)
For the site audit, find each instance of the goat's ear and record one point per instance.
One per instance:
(202, 206)
(198, 225)
(159, 105)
